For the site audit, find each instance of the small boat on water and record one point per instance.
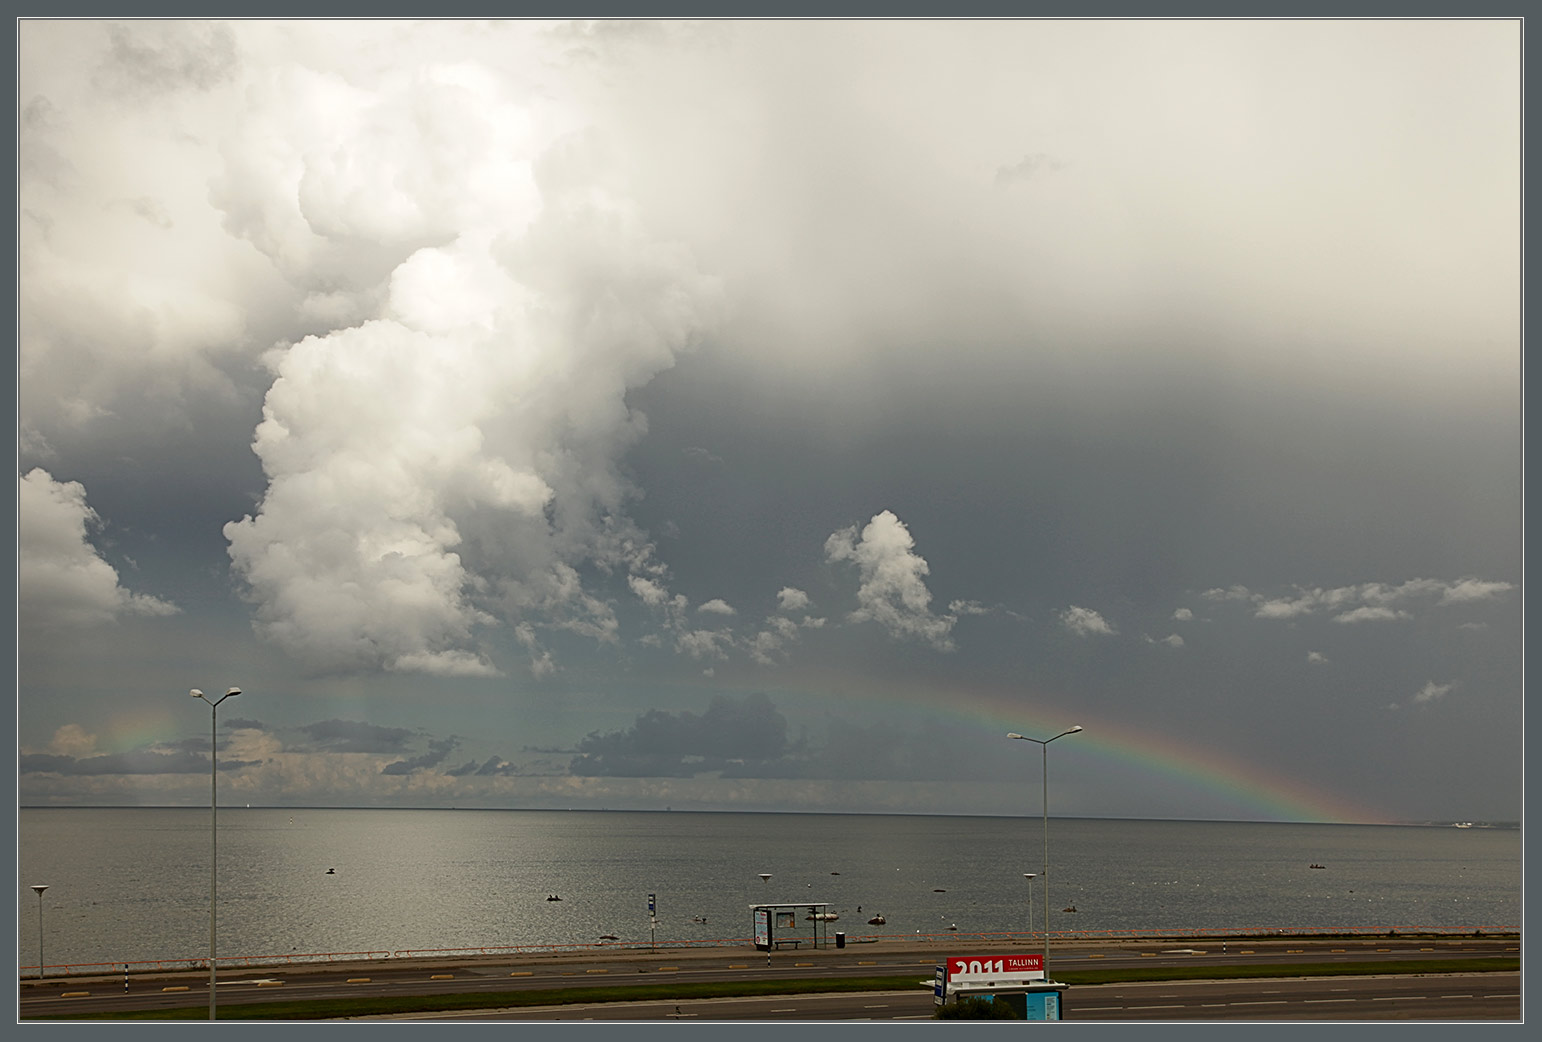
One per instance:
(553, 897)
(877, 920)
(1316, 866)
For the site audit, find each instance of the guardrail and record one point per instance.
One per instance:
(104, 969)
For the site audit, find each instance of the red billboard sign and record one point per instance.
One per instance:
(988, 968)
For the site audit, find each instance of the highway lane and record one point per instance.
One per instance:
(1465, 997)
(445, 976)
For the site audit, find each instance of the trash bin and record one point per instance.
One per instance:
(840, 939)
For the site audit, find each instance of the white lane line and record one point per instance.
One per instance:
(1266, 1002)
(1310, 1001)
(1175, 1005)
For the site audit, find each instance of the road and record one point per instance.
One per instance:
(1485, 996)
(623, 966)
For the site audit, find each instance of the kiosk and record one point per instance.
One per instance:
(1018, 980)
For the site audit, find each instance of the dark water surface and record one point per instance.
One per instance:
(132, 884)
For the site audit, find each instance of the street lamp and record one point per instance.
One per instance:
(39, 888)
(1030, 877)
(1043, 744)
(214, 832)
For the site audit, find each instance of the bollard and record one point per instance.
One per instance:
(840, 938)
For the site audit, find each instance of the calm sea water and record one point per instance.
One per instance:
(132, 884)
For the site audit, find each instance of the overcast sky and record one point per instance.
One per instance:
(773, 415)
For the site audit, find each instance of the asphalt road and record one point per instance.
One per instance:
(624, 966)
(1485, 996)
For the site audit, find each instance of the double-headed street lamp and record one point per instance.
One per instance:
(214, 832)
(1043, 744)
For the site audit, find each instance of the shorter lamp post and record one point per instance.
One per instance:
(1030, 877)
(38, 888)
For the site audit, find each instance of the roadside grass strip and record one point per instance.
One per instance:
(331, 1009)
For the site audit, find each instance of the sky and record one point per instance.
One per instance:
(771, 416)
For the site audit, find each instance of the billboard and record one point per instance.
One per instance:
(763, 927)
(988, 969)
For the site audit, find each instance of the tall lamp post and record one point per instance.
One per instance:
(214, 832)
(38, 888)
(1043, 744)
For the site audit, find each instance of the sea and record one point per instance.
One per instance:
(132, 885)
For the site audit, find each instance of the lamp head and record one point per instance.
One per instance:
(1013, 734)
(40, 887)
(237, 691)
(1074, 729)
(196, 693)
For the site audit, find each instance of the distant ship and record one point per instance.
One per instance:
(1462, 824)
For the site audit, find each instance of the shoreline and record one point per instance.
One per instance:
(640, 953)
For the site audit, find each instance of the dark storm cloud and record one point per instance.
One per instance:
(745, 736)
(355, 736)
(140, 762)
(438, 749)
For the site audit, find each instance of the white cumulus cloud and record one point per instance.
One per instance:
(1084, 622)
(62, 579)
(1432, 692)
(893, 590)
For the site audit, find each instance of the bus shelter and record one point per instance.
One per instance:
(778, 926)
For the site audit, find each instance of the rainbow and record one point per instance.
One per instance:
(1145, 757)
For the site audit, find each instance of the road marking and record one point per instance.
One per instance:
(1175, 1005)
(270, 984)
(522, 973)
(596, 971)
(179, 987)
(1310, 1001)
(795, 965)
(75, 995)
(442, 976)
(1261, 1002)
(789, 1009)
(1098, 955)
(737, 966)
(1396, 998)
(667, 969)
(1458, 996)
(358, 980)
(1246, 951)
(881, 1005)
